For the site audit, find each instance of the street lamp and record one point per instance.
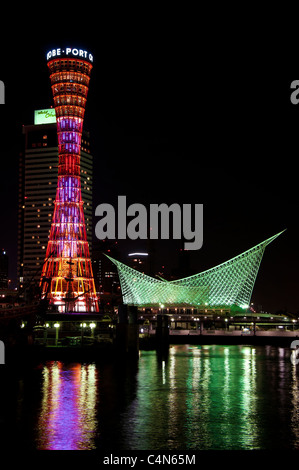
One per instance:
(83, 325)
(46, 333)
(56, 326)
(92, 327)
(294, 321)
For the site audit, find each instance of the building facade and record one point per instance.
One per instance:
(4, 284)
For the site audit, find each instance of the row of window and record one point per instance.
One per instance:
(76, 100)
(44, 144)
(67, 123)
(69, 137)
(70, 64)
(38, 167)
(70, 110)
(40, 177)
(43, 205)
(69, 76)
(69, 148)
(68, 87)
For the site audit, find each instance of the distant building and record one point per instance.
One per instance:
(139, 261)
(104, 272)
(3, 270)
(183, 269)
(38, 171)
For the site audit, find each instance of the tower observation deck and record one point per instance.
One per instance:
(67, 277)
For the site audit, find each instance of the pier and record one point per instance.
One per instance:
(127, 331)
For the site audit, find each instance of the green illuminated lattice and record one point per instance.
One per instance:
(230, 283)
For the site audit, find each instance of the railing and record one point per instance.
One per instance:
(232, 333)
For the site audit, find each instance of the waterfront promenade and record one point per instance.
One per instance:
(274, 333)
(278, 338)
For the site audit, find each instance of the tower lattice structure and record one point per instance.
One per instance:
(67, 277)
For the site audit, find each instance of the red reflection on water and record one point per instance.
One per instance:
(67, 419)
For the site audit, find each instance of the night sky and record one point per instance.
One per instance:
(175, 117)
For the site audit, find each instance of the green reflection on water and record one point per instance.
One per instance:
(201, 397)
(221, 399)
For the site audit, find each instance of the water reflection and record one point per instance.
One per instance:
(203, 397)
(67, 417)
(295, 406)
(198, 397)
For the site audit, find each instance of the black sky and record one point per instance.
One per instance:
(175, 117)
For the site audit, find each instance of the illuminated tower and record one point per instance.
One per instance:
(67, 278)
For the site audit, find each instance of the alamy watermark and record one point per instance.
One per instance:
(160, 222)
(2, 92)
(295, 353)
(2, 353)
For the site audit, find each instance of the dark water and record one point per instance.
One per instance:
(200, 397)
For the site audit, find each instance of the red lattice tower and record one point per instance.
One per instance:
(67, 277)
